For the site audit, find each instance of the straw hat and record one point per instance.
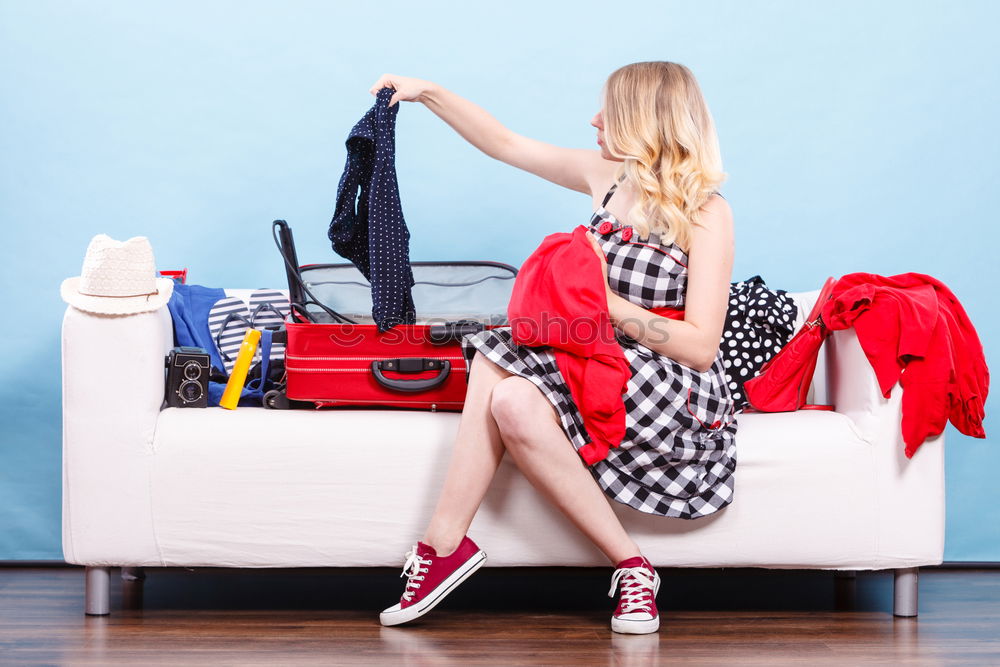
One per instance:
(118, 278)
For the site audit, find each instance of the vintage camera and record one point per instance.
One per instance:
(188, 369)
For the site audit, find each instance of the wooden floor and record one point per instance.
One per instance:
(541, 616)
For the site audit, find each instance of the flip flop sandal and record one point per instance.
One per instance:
(268, 310)
(228, 322)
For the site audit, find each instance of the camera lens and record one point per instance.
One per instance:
(192, 371)
(189, 391)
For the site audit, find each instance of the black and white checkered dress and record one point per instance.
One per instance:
(679, 451)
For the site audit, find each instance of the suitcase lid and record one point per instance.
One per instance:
(442, 291)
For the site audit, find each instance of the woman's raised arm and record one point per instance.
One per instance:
(573, 168)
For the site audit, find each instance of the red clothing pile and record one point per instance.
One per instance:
(912, 322)
(559, 300)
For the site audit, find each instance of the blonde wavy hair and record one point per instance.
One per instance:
(657, 122)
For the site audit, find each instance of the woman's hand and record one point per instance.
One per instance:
(604, 266)
(407, 88)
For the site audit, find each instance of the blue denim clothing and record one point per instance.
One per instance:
(374, 237)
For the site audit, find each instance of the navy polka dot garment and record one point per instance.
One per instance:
(375, 237)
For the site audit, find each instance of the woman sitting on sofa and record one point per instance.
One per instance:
(665, 240)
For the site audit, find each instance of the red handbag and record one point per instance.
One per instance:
(783, 381)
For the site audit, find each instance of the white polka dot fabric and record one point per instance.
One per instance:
(369, 229)
(760, 321)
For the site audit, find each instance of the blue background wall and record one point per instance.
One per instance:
(858, 137)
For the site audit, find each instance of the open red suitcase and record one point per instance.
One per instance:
(335, 355)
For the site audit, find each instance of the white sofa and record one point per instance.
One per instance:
(145, 487)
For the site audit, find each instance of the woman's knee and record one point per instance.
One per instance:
(516, 405)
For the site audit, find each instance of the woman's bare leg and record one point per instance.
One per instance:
(532, 433)
(476, 456)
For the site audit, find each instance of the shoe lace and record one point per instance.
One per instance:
(413, 570)
(635, 582)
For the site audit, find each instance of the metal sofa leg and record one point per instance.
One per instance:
(97, 591)
(904, 591)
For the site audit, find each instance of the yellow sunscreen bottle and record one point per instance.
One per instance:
(234, 387)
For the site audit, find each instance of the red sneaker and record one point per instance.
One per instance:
(636, 613)
(430, 578)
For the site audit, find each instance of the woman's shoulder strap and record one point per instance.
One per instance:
(612, 191)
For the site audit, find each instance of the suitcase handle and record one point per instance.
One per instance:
(411, 365)
(453, 331)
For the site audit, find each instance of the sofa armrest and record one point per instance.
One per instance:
(911, 492)
(851, 384)
(112, 392)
